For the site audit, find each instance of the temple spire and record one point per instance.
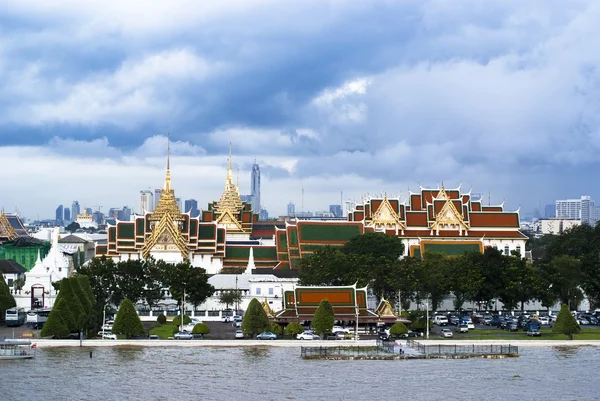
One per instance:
(229, 172)
(168, 177)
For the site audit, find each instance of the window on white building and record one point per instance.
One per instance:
(10, 282)
(258, 291)
(519, 249)
(506, 250)
(270, 291)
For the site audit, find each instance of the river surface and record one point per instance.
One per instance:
(265, 373)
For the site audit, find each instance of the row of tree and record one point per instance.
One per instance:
(74, 309)
(569, 269)
(146, 281)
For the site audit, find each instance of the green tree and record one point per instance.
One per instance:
(465, 277)
(201, 328)
(74, 226)
(62, 309)
(161, 319)
(67, 293)
(55, 326)
(324, 318)
(492, 265)
(566, 279)
(177, 320)
(398, 329)
(275, 328)
(293, 329)
(408, 280)
(255, 319)
(193, 281)
(566, 323)
(327, 266)
(102, 274)
(7, 300)
(230, 297)
(376, 244)
(434, 277)
(127, 321)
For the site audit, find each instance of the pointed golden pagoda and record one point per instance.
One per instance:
(166, 220)
(6, 229)
(229, 206)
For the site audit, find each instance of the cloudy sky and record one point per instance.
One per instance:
(330, 96)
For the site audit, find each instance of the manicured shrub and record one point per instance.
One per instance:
(398, 329)
(255, 319)
(177, 320)
(7, 301)
(201, 328)
(161, 319)
(566, 323)
(275, 328)
(55, 325)
(324, 318)
(128, 322)
(293, 329)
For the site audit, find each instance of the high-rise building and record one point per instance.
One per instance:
(124, 214)
(191, 207)
(146, 201)
(583, 209)
(88, 210)
(263, 215)
(336, 210)
(255, 188)
(98, 217)
(247, 199)
(75, 209)
(157, 193)
(59, 215)
(67, 214)
(550, 211)
(291, 209)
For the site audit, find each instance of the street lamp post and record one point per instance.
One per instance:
(103, 319)
(427, 318)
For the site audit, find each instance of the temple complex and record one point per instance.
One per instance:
(11, 227)
(227, 235)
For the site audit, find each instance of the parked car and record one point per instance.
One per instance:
(266, 335)
(309, 335)
(237, 321)
(463, 328)
(446, 333)
(239, 334)
(108, 325)
(183, 335)
(544, 320)
(471, 325)
(189, 327)
(512, 327)
(533, 331)
(109, 336)
(410, 334)
(454, 320)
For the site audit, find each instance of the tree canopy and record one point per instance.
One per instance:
(255, 319)
(324, 318)
(566, 323)
(127, 321)
(7, 300)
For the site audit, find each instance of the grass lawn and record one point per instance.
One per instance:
(164, 331)
(547, 334)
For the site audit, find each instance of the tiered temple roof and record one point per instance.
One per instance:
(11, 227)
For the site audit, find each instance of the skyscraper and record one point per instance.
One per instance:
(157, 193)
(191, 207)
(255, 188)
(59, 215)
(88, 210)
(336, 210)
(75, 209)
(291, 209)
(146, 201)
(67, 214)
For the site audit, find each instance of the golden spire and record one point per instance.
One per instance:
(229, 172)
(168, 177)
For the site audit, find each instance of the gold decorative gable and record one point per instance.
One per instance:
(385, 309)
(6, 230)
(267, 309)
(442, 195)
(449, 218)
(230, 222)
(166, 237)
(386, 217)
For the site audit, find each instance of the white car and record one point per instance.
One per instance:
(189, 327)
(109, 337)
(335, 329)
(446, 333)
(239, 334)
(108, 325)
(471, 326)
(308, 335)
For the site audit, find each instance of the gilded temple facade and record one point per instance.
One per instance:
(227, 235)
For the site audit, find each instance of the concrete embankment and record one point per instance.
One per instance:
(298, 343)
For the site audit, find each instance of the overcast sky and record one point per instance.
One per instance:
(363, 97)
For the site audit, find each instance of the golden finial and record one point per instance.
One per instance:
(168, 176)
(229, 172)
